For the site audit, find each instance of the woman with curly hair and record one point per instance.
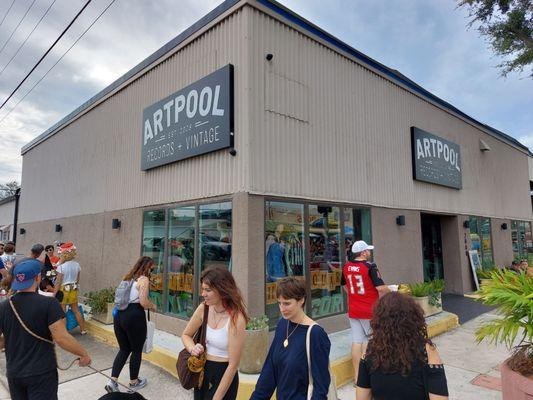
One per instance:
(400, 362)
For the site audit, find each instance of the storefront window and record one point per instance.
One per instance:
(180, 277)
(154, 246)
(480, 239)
(522, 240)
(325, 264)
(215, 235)
(356, 227)
(284, 249)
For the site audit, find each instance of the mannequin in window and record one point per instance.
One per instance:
(275, 255)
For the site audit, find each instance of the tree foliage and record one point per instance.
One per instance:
(8, 189)
(508, 27)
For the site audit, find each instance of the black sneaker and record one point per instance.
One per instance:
(112, 386)
(141, 382)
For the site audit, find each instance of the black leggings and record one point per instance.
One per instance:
(130, 330)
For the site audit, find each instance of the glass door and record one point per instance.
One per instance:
(432, 247)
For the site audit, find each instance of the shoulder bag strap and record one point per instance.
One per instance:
(308, 352)
(25, 327)
(204, 325)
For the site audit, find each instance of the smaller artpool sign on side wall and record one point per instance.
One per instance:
(193, 121)
(436, 160)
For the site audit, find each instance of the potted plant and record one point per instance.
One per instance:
(513, 294)
(428, 295)
(255, 345)
(102, 304)
(483, 275)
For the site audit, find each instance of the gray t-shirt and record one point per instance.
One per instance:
(69, 270)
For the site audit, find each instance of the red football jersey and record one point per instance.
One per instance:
(361, 279)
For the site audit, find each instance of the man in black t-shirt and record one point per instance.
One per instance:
(31, 362)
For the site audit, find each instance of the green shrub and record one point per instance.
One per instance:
(513, 294)
(98, 300)
(257, 323)
(419, 289)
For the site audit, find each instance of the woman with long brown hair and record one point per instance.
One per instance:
(226, 323)
(130, 326)
(400, 362)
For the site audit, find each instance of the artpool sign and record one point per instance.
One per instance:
(195, 120)
(436, 160)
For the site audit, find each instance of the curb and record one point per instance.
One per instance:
(341, 368)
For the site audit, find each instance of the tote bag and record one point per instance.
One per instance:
(332, 391)
(150, 330)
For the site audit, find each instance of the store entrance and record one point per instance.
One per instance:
(432, 247)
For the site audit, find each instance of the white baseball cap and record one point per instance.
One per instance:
(360, 246)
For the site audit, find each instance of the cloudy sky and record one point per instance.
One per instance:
(425, 40)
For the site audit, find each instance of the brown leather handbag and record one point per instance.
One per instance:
(190, 368)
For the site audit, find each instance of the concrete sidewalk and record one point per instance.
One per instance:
(472, 370)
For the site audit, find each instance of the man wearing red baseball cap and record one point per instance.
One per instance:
(29, 325)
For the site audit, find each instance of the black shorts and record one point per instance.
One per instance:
(213, 372)
(38, 387)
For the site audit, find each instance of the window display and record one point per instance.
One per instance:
(284, 249)
(325, 268)
(154, 246)
(180, 277)
(317, 256)
(169, 237)
(480, 240)
(215, 235)
(522, 239)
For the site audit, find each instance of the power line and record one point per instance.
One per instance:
(57, 62)
(45, 54)
(16, 27)
(8, 10)
(27, 37)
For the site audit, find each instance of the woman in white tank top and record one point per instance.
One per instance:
(226, 323)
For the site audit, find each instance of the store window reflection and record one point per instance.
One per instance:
(215, 235)
(356, 227)
(522, 240)
(180, 276)
(325, 264)
(154, 246)
(284, 249)
(480, 240)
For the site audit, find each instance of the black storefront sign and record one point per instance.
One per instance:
(195, 120)
(435, 160)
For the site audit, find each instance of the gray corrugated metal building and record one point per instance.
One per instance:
(316, 146)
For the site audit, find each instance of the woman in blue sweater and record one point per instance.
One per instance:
(286, 368)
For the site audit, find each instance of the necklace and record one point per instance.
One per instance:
(286, 341)
(219, 312)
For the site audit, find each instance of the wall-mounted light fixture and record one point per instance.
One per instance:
(504, 226)
(116, 223)
(466, 224)
(400, 220)
(58, 228)
(22, 231)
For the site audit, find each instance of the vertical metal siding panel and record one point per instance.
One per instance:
(99, 153)
(358, 133)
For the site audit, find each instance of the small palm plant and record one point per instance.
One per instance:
(513, 294)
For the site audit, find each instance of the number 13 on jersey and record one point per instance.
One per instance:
(358, 282)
